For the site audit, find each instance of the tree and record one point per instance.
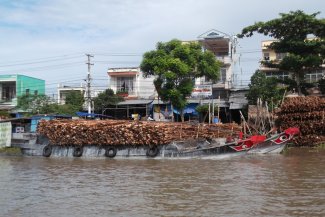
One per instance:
(42, 104)
(203, 110)
(321, 85)
(264, 88)
(291, 31)
(33, 103)
(75, 99)
(291, 85)
(175, 65)
(105, 99)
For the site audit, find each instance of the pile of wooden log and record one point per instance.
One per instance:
(121, 132)
(307, 113)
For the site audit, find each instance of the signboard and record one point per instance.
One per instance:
(202, 91)
(5, 134)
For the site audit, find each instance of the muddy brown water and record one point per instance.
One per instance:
(291, 184)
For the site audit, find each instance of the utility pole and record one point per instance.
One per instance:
(88, 89)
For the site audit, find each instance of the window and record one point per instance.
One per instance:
(27, 92)
(125, 84)
(280, 56)
(266, 56)
(223, 75)
(8, 91)
(314, 76)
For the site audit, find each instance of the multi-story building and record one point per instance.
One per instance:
(223, 46)
(137, 91)
(223, 92)
(64, 89)
(130, 83)
(270, 55)
(14, 86)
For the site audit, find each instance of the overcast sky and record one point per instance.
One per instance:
(48, 39)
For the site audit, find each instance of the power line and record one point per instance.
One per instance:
(48, 67)
(119, 54)
(36, 62)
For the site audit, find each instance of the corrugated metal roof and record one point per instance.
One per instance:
(237, 99)
(236, 106)
(221, 103)
(136, 101)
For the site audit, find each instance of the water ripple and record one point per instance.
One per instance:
(275, 185)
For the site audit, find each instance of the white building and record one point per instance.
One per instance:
(130, 83)
(64, 89)
(223, 46)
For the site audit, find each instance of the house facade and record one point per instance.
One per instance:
(223, 94)
(14, 86)
(130, 83)
(270, 55)
(223, 46)
(64, 89)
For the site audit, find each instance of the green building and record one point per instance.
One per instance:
(13, 86)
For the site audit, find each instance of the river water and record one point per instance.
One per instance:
(291, 184)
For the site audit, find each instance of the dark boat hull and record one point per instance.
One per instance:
(163, 151)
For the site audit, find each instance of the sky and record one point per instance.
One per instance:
(48, 39)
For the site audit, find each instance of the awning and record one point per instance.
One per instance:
(122, 74)
(221, 103)
(238, 99)
(237, 105)
(136, 102)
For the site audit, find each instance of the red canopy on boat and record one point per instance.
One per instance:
(292, 131)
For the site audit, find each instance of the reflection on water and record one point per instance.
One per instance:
(273, 185)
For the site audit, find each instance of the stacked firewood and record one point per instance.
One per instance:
(307, 113)
(121, 132)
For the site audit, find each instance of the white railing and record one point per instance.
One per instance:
(224, 59)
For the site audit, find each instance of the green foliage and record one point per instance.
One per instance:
(4, 114)
(105, 99)
(291, 31)
(10, 151)
(203, 110)
(55, 108)
(41, 104)
(175, 66)
(264, 88)
(321, 85)
(321, 146)
(33, 103)
(75, 99)
(291, 85)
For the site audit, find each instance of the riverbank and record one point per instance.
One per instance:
(10, 151)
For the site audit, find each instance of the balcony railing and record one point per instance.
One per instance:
(10, 101)
(125, 92)
(224, 59)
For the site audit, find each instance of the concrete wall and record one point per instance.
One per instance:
(33, 84)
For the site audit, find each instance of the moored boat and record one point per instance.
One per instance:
(276, 143)
(260, 144)
(145, 139)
